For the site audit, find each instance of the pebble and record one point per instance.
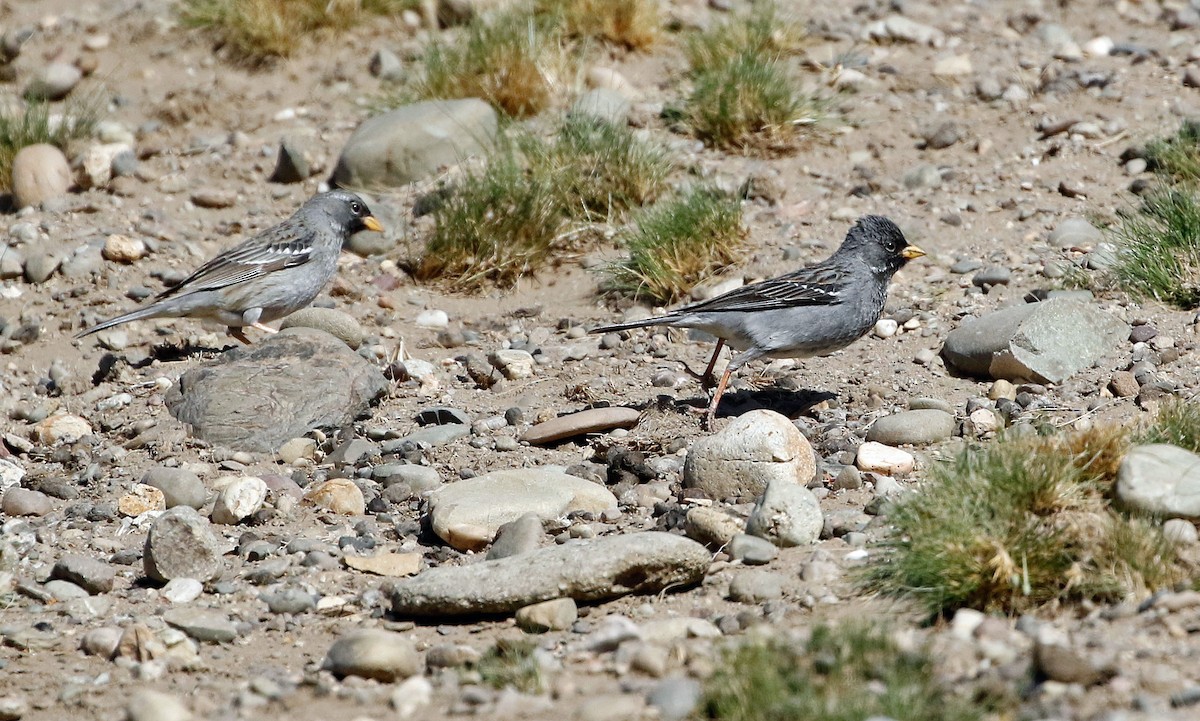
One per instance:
(982, 422)
(886, 328)
(101, 642)
(514, 364)
(53, 81)
(752, 550)
(24, 502)
(181, 544)
(992, 275)
(298, 449)
(711, 526)
(519, 536)
(435, 319)
(593, 420)
(386, 65)
(756, 587)
(123, 249)
(141, 499)
(786, 514)
(392, 565)
(179, 486)
(297, 161)
(411, 696)
(203, 624)
(338, 495)
(63, 427)
(181, 590)
(150, 705)
(879, 458)
(1002, 389)
(1160, 479)
(675, 699)
(1123, 384)
(747, 454)
(240, 497)
(377, 654)
(214, 198)
(1181, 531)
(90, 574)
(913, 427)
(555, 615)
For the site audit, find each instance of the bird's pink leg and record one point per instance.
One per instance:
(711, 416)
(264, 328)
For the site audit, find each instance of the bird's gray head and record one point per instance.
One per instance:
(345, 209)
(881, 244)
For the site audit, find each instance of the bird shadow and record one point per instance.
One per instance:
(790, 403)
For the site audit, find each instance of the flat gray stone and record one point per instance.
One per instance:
(520, 536)
(555, 615)
(1045, 342)
(593, 420)
(415, 142)
(258, 398)
(1161, 479)
(596, 569)
(202, 624)
(916, 428)
(467, 514)
(91, 574)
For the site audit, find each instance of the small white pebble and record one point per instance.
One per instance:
(886, 327)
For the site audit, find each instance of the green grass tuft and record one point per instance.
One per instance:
(31, 124)
(1021, 523)
(846, 673)
(745, 94)
(508, 60)
(1159, 247)
(607, 168)
(259, 30)
(679, 243)
(1177, 158)
(1177, 423)
(517, 213)
(511, 664)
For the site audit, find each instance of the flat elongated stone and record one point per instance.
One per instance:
(1161, 479)
(593, 420)
(593, 570)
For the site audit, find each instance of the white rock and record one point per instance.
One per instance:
(435, 319)
(1099, 47)
(1161, 479)
(514, 364)
(982, 422)
(411, 697)
(745, 456)
(953, 66)
(879, 458)
(11, 473)
(182, 590)
(97, 164)
(240, 497)
(604, 77)
(886, 327)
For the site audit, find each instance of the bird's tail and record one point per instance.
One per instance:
(629, 325)
(148, 312)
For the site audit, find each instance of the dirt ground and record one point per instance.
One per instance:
(219, 125)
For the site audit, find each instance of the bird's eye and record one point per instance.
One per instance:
(356, 207)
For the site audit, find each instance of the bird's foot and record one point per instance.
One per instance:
(264, 328)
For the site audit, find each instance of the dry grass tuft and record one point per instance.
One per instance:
(633, 24)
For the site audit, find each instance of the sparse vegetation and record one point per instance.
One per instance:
(745, 93)
(631, 23)
(606, 167)
(1024, 522)
(258, 30)
(511, 664)
(33, 123)
(679, 243)
(845, 673)
(507, 219)
(1159, 247)
(1177, 158)
(1177, 423)
(510, 60)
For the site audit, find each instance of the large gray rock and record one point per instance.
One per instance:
(414, 142)
(1045, 342)
(787, 514)
(919, 427)
(753, 450)
(467, 514)
(1161, 479)
(593, 570)
(374, 653)
(257, 398)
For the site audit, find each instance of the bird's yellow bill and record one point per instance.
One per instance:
(372, 224)
(911, 252)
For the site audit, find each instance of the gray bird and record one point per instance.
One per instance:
(265, 277)
(812, 311)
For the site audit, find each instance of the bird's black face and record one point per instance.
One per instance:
(354, 212)
(883, 244)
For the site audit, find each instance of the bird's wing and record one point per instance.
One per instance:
(815, 285)
(274, 249)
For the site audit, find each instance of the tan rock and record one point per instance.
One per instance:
(338, 495)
